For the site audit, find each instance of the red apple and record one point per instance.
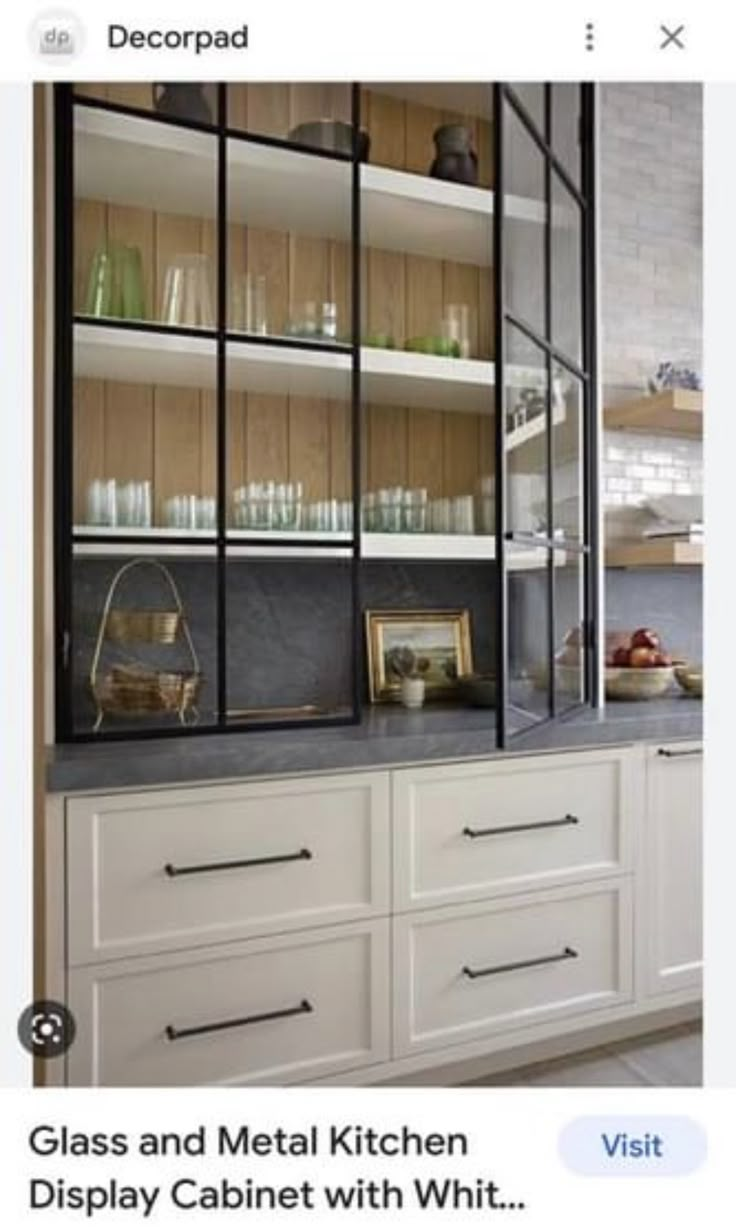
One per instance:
(643, 658)
(645, 638)
(621, 658)
(663, 660)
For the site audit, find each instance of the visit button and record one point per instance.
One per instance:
(633, 1145)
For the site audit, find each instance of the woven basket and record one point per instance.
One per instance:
(136, 688)
(133, 691)
(143, 625)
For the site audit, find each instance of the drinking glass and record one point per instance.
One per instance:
(462, 514)
(440, 515)
(100, 297)
(130, 277)
(390, 509)
(180, 511)
(187, 294)
(486, 505)
(126, 504)
(415, 511)
(248, 304)
(101, 503)
(206, 513)
(369, 511)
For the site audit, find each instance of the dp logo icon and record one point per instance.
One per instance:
(57, 35)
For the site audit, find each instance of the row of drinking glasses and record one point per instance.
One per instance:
(113, 504)
(279, 506)
(329, 515)
(395, 510)
(268, 505)
(191, 511)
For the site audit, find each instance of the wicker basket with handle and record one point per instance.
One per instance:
(136, 688)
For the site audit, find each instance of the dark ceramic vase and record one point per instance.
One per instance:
(182, 100)
(455, 160)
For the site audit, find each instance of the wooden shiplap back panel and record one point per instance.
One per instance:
(168, 435)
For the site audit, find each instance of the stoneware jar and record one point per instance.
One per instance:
(455, 160)
(412, 691)
(183, 100)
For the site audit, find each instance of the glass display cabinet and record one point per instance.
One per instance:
(320, 349)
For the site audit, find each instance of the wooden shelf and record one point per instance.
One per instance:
(677, 411)
(127, 160)
(389, 377)
(655, 554)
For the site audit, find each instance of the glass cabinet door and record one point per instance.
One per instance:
(544, 402)
(206, 407)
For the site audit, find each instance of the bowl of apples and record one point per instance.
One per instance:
(639, 669)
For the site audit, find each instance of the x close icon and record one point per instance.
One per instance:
(672, 38)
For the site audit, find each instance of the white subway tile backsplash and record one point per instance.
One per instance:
(675, 467)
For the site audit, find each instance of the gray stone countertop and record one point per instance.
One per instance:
(387, 736)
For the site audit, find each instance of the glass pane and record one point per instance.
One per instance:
(289, 638)
(567, 450)
(157, 661)
(525, 431)
(531, 97)
(527, 588)
(289, 456)
(192, 101)
(143, 452)
(569, 629)
(566, 127)
(438, 128)
(289, 244)
(567, 311)
(144, 220)
(524, 215)
(310, 113)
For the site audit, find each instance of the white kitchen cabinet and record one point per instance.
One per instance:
(272, 1010)
(479, 969)
(672, 871)
(445, 913)
(485, 829)
(154, 871)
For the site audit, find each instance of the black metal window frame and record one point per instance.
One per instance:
(66, 100)
(585, 374)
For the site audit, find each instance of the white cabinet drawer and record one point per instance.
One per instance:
(159, 871)
(302, 1006)
(465, 972)
(477, 830)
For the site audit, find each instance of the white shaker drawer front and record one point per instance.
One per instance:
(465, 972)
(267, 1011)
(159, 871)
(479, 830)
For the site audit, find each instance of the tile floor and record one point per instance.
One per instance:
(663, 1058)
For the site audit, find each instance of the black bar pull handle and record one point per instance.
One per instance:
(475, 973)
(178, 871)
(680, 753)
(182, 1033)
(479, 833)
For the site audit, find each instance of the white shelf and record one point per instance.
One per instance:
(128, 160)
(416, 547)
(443, 547)
(389, 377)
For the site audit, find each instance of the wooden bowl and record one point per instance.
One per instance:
(690, 678)
(633, 684)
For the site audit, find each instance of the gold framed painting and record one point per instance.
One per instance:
(431, 644)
